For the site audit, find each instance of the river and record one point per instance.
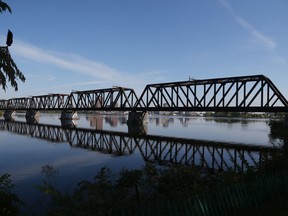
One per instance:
(78, 151)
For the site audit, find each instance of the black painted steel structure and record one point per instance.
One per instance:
(239, 94)
(155, 149)
(116, 99)
(236, 94)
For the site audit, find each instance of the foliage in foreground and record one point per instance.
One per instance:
(174, 191)
(133, 188)
(8, 68)
(177, 190)
(9, 202)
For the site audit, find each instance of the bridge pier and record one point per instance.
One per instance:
(136, 118)
(286, 120)
(68, 123)
(30, 114)
(32, 120)
(9, 115)
(69, 115)
(137, 129)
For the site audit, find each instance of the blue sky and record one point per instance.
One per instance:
(81, 45)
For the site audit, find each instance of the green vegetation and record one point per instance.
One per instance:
(134, 191)
(9, 201)
(176, 190)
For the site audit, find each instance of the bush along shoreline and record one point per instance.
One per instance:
(154, 190)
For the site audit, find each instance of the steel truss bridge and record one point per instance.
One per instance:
(155, 149)
(234, 94)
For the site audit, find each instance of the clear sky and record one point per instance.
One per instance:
(65, 45)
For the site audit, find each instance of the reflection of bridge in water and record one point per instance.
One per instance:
(156, 149)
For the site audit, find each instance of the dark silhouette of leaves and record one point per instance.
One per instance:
(9, 40)
(4, 7)
(8, 69)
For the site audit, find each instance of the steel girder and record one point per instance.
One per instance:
(48, 102)
(163, 150)
(17, 104)
(239, 94)
(3, 104)
(41, 102)
(112, 99)
(236, 94)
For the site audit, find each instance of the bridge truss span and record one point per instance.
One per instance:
(48, 102)
(231, 94)
(236, 94)
(40, 102)
(116, 99)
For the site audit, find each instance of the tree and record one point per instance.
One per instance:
(9, 202)
(8, 68)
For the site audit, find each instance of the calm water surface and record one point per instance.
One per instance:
(22, 155)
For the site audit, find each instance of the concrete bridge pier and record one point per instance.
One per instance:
(68, 123)
(69, 115)
(286, 120)
(9, 115)
(32, 120)
(137, 129)
(137, 118)
(30, 114)
(137, 123)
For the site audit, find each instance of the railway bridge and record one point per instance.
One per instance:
(256, 93)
